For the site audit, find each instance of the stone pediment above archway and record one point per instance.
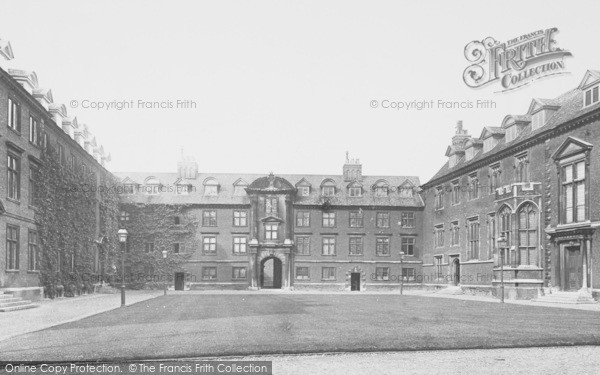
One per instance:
(271, 219)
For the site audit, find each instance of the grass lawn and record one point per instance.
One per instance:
(214, 325)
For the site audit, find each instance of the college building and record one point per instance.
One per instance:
(514, 209)
(242, 231)
(33, 127)
(531, 181)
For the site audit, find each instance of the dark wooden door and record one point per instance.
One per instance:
(276, 273)
(456, 275)
(355, 281)
(574, 268)
(179, 280)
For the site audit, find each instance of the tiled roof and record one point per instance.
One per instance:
(571, 107)
(226, 195)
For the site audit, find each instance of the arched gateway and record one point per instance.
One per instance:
(271, 232)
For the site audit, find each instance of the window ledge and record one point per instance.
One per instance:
(13, 200)
(12, 271)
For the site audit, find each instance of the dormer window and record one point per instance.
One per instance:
(211, 187)
(381, 188)
(328, 188)
(538, 120)
(488, 144)
(183, 188)
(355, 191)
(406, 191)
(304, 191)
(239, 187)
(590, 96)
(152, 186)
(511, 133)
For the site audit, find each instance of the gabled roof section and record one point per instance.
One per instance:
(407, 183)
(490, 131)
(128, 181)
(6, 50)
(538, 104)
(355, 183)
(240, 182)
(590, 78)
(182, 181)
(303, 182)
(571, 146)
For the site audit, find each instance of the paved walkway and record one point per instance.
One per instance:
(51, 313)
(550, 360)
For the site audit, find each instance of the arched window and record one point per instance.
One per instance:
(328, 188)
(381, 188)
(528, 235)
(504, 222)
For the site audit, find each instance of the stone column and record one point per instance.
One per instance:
(253, 273)
(285, 270)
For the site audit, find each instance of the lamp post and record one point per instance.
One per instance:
(501, 247)
(164, 254)
(123, 240)
(401, 273)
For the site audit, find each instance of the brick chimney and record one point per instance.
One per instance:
(187, 167)
(352, 169)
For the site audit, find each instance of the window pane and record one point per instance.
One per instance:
(568, 173)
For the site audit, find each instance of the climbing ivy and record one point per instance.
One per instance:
(70, 208)
(155, 224)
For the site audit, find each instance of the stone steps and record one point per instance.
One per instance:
(9, 303)
(566, 298)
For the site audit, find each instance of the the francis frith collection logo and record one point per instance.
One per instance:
(515, 63)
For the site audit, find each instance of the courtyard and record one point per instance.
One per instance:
(205, 325)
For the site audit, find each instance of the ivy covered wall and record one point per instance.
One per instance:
(153, 229)
(77, 219)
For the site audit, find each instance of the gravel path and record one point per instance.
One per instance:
(551, 360)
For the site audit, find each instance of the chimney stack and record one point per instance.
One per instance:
(352, 169)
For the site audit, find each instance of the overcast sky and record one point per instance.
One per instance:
(283, 86)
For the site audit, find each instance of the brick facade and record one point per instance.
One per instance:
(321, 240)
(521, 180)
(17, 213)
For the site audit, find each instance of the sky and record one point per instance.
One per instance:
(283, 86)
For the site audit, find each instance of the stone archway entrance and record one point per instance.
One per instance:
(271, 270)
